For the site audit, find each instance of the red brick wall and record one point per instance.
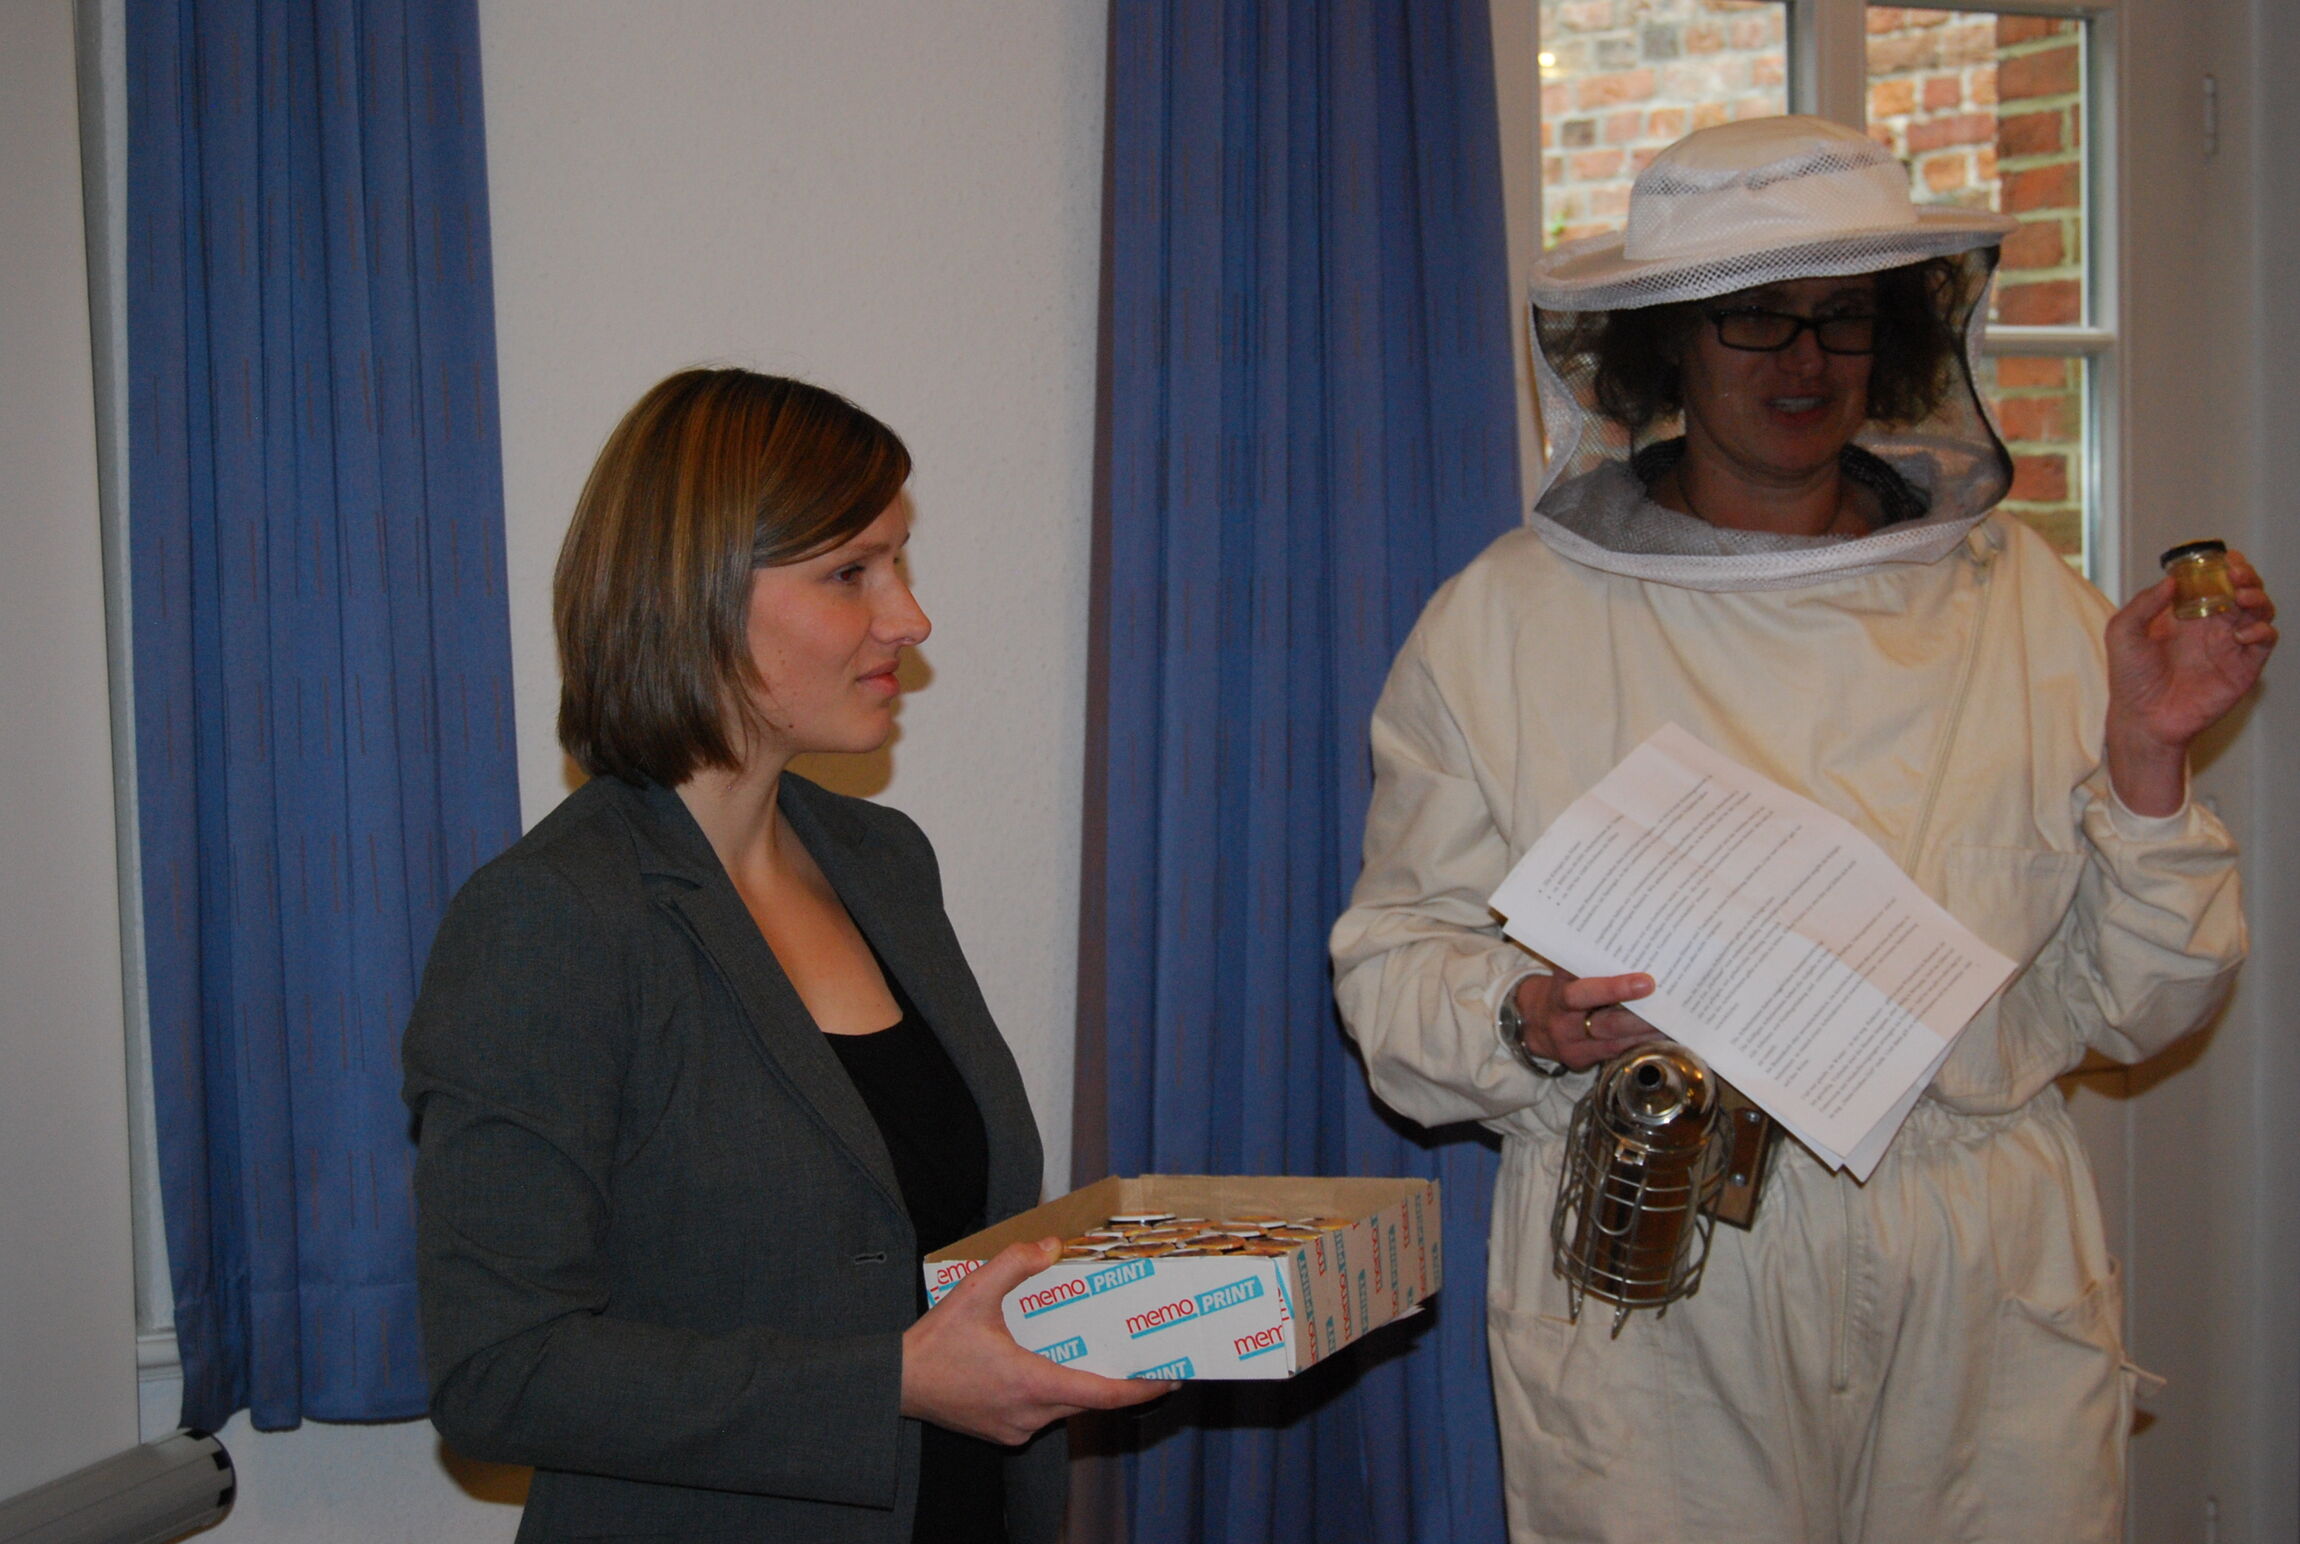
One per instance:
(1623, 78)
(2040, 145)
(1988, 112)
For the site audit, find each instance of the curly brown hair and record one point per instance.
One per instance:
(1920, 310)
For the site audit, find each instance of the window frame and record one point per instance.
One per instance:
(1828, 77)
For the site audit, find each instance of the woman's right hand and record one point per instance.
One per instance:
(962, 1369)
(1580, 1020)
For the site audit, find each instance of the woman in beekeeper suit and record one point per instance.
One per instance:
(1767, 519)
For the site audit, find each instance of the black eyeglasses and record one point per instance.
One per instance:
(1769, 332)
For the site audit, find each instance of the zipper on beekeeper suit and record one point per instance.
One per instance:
(1981, 548)
(1982, 545)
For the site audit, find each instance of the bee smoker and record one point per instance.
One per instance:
(1660, 1149)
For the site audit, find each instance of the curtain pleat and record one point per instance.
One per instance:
(1312, 423)
(321, 660)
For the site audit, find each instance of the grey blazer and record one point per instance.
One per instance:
(662, 1251)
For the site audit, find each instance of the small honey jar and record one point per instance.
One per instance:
(2201, 584)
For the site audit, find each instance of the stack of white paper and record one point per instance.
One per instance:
(1787, 949)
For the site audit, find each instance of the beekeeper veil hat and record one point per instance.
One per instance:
(1730, 208)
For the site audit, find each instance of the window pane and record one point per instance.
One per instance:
(2040, 410)
(1988, 110)
(1622, 78)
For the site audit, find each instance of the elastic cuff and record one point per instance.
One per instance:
(2146, 828)
(1504, 986)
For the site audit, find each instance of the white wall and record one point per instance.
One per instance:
(1517, 104)
(900, 201)
(67, 1310)
(2210, 327)
(2261, 1336)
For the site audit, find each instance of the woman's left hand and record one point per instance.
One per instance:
(962, 1370)
(2169, 681)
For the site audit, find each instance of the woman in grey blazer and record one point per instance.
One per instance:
(698, 1067)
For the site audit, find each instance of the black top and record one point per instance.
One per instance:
(934, 1134)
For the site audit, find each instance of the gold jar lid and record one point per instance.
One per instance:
(2189, 550)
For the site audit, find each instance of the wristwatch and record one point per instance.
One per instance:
(1509, 1029)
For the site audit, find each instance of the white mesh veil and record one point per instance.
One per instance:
(1747, 204)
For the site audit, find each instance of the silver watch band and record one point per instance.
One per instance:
(1509, 1029)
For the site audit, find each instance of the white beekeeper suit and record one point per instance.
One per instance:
(1934, 1355)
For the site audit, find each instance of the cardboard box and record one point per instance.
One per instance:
(1215, 1316)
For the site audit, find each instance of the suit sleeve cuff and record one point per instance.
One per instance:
(2145, 828)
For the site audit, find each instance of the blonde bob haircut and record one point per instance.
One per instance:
(712, 474)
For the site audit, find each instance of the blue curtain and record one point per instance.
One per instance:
(322, 658)
(1312, 423)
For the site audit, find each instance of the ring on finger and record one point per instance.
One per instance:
(1588, 1023)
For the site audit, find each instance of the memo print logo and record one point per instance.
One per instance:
(1064, 1350)
(1244, 1290)
(1073, 1288)
(1260, 1343)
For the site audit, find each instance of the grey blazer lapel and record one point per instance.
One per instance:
(899, 911)
(704, 898)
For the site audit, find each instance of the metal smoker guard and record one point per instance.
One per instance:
(1643, 1160)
